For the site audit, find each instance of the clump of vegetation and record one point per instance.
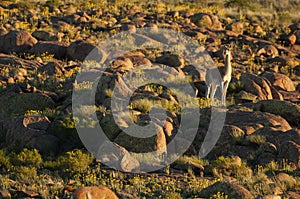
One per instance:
(27, 157)
(231, 166)
(74, 161)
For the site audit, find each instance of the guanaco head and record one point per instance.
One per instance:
(227, 49)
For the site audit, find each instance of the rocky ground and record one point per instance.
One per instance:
(42, 47)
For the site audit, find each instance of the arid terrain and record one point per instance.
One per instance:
(45, 45)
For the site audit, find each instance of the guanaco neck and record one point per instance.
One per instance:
(228, 68)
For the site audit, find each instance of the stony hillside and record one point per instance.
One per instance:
(43, 47)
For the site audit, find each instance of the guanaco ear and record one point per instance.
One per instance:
(228, 46)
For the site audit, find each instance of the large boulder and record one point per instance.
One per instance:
(280, 81)
(16, 41)
(79, 50)
(287, 110)
(58, 50)
(290, 151)
(259, 86)
(29, 131)
(251, 121)
(232, 190)
(18, 103)
(206, 20)
(117, 156)
(156, 143)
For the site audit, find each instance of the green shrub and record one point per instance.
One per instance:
(29, 157)
(75, 161)
(256, 139)
(26, 174)
(4, 160)
(143, 105)
(172, 195)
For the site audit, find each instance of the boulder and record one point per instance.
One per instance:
(172, 60)
(16, 62)
(123, 64)
(206, 21)
(43, 35)
(280, 81)
(117, 156)
(18, 103)
(156, 143)
(30, 131)
(231, 189)
(57, 49)
(244, 96)
(52, 68)
(79, 50)
(287, 110)
(259, 86)
(16, 41)
(294, 27)
(231, 134)
(237, 27)
(289, 182)
(250, 121)
(137, 58)
(290, 151)
(268, 50)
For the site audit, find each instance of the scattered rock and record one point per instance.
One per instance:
(129, 27)
(16, 41)
(123, 64)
